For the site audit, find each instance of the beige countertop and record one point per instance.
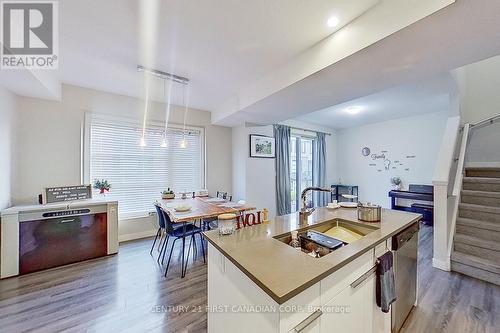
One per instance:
(283, 272)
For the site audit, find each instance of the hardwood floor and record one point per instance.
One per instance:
(122, 293)
(449, 301)
(127, 293)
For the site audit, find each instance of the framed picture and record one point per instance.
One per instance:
(262, 146)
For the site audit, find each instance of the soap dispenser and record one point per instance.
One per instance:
(295, 243)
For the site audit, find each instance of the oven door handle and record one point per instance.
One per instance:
(67, 221)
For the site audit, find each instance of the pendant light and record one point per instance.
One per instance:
(184, 143)
(164, 142)
(142, 141)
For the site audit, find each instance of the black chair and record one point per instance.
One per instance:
(161, 222)
(224, 196)
(180, 232)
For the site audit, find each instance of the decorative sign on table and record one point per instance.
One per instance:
(252, 219)
(67, 193)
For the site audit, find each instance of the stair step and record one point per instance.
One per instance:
(481, 198)
(475, 273)
(479, 233)
(477, 251)
(481, 184)
(486, 225)
(477, 262)
(477, 242)
(479, 212)
(483, 172)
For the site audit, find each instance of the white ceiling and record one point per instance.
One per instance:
(220, 45)
(403, 101)
(462, 33)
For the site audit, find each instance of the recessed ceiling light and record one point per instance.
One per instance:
(332, 22)
(353, 110)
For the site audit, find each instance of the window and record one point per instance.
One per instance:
(301, 168)
(139, 174)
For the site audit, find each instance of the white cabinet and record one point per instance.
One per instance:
(345, 306)
(345, 312)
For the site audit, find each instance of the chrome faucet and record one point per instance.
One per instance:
(304, 210)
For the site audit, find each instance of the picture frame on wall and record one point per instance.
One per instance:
(262, 146)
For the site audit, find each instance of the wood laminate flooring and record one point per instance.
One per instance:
(127, 293)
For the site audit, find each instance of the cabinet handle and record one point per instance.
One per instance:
(67, 221)
(306, 322)
(363, 277)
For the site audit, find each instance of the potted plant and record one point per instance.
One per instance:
(102, 185)
(397, 183)
(168, 194)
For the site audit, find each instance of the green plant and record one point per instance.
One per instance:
(102, 185)
(168, 191)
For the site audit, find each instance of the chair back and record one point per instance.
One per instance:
(161, 216)
(169, 226)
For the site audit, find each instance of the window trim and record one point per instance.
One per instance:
(89, 117)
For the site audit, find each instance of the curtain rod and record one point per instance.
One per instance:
(307, 130)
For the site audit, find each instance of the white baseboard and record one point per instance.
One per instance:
(482, 164)
(442, 265)
(137, 235)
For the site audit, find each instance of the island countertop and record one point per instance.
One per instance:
(283, 272)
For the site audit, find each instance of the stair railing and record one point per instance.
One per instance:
(457, 186)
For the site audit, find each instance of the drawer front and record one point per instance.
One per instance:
(339, 280)
(301, 307)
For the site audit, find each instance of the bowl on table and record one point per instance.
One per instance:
(182, 208)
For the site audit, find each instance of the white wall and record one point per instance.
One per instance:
(419, 136)
(49, 140)
(481, 101)
(254, 179)
(7, 145)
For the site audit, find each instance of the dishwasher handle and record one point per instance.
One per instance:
(404, 236)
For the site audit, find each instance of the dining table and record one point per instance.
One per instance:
(200, 209)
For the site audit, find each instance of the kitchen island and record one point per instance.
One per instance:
(258, 283)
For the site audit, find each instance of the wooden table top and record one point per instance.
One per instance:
(201, 208)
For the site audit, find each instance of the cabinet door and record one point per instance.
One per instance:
(345, 312)
(376, 320)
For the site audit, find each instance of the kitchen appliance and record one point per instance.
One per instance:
(404, 245)
(54, 238)
(369, 212)
(319, 243)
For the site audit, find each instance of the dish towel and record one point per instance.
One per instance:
(385, 288)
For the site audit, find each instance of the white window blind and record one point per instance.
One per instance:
(139, 174)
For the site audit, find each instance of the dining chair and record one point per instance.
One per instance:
(161, 224)
(221, 194)
(180, 232)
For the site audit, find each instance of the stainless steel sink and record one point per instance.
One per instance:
(325, 226)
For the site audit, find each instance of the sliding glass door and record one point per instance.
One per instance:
(301, 168)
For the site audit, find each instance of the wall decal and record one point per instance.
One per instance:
(365, 151)
(410, 156)
(372, 164)
(407, 169)
(384, 151)
(387, 164)
(378, 157)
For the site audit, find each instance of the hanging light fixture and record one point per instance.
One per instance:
(184, 144)
(148, 73)
(164, 142)
(142, 141)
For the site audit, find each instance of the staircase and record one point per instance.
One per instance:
(476, 246)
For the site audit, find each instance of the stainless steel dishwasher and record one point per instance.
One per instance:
(404, 245)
